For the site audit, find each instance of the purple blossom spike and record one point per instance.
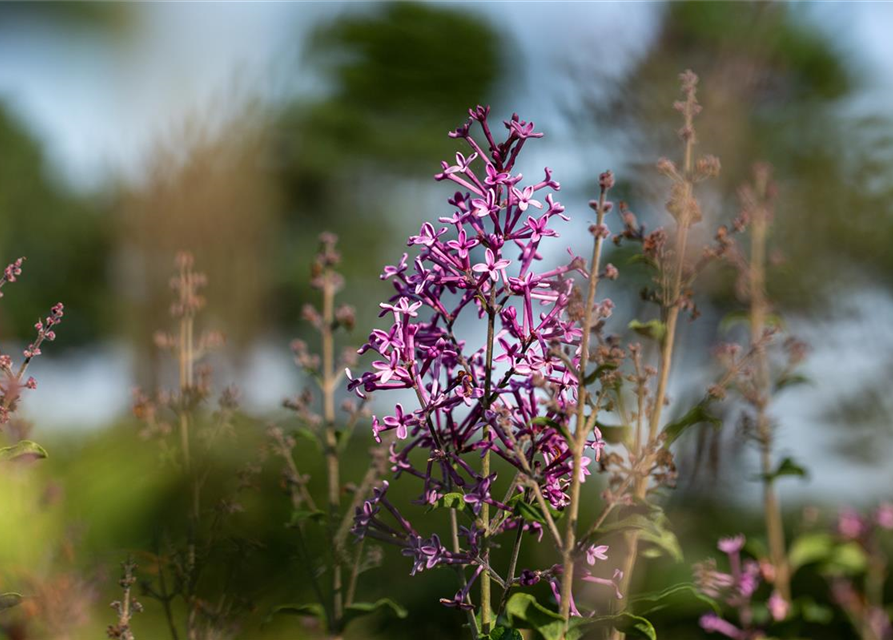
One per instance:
(513, 401)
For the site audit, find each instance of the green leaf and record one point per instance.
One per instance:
(359, 609)
(22, 448)
(308, 434)
(10, 600)
(696, 415)
(848, 559)
(790, 381)
(452, 500)
(634, 521)
(654, 329)
(599, 370)
(812, 611)
(649, 602)
(810, 548)
(632, 625)
(735, 318)
(503, 633)
(549, 422)
(787, 467)
(613, 433)
(652, 530)
(665, 540)
(524, 612)
(310, 610)
(531, 512)
(298, 517)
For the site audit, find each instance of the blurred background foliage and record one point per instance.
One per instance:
(247, 182)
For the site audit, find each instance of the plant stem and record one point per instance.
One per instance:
(579, 441)
(758, 307)
(672, 307)
(331, 442)
(510, 576)
(454, 531)
(485, 465)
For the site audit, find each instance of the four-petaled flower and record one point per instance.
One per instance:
(594, 553)
(427, 236)
(539, 228)
(483, 207)
(462, 244)
(525, 198)
(492, 267)
(462, 163)
(495, 177)
(390, 369)
(403, 307)
(400, 422)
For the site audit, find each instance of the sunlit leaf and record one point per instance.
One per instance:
(22, 448)
(634, 626)
(809, 548)
(452, 500)
(524, 612)
(649, 602)
(654, 329)
(503, 633)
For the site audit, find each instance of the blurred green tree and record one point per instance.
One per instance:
(64, 237)
(395, 80)
(775, 88)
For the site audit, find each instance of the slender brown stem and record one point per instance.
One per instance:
(513, 564)
(457, 548)
(758, 308)
(331, 442)
(671, 303)
(485, 465)
(354, 574)
(579, 440)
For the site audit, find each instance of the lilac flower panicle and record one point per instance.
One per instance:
(483, 261)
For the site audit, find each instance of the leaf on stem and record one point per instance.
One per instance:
(696, 415)
(654, 329)
(524, 612)
(786, 467)
(359, 609)
(650, 602)
(22, 449)
(632, 625)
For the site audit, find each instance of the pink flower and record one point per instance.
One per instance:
(390, 369)
(778, 607)
(492, 267)
(731, 545)
(525, 198)
(596, 552)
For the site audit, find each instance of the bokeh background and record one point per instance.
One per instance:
(241, 131)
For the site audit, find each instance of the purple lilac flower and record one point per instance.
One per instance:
(483, 263)
(850, 524)
(884, 515)
(594, 553)
(736, 589)
(614, 582)
(711, 622)
(778, 606)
